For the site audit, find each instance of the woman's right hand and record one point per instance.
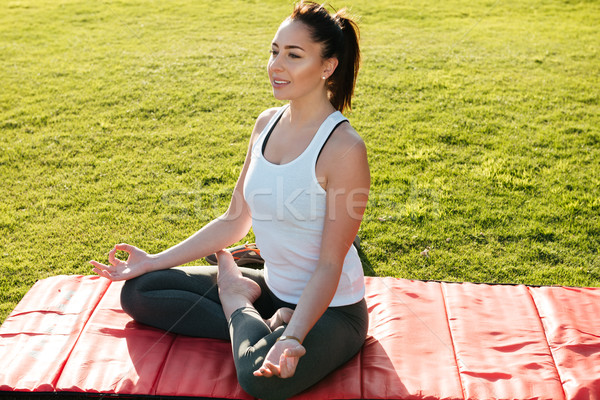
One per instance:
(138, 263)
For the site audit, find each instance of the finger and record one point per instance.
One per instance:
(125, 247)
(273, 369)
(111, 256)
(119, 247)
(101, 266)
(288, 366)
(264, 372)
(284, 366)
(113, 276)
(297, 351)
(102, 273)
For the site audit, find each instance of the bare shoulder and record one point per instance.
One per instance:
(262, 121)
(345, 144)
(264, 118)
(343, 160)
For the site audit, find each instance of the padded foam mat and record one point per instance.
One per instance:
(427, 340)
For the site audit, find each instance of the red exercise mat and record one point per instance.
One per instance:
(115, 354)
(500, 346)
(37, 338)
(572, 326)
(427, 340)
(409, 352)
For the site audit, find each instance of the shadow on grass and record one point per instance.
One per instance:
(368, 269)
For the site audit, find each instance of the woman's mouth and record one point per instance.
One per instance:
(279, 83)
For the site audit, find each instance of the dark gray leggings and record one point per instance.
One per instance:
(185, 300)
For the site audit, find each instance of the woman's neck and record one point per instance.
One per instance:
(307, 113)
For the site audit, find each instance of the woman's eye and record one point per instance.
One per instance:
(273, 52)
(292, 55)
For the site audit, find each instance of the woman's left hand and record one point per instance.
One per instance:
(282, 359)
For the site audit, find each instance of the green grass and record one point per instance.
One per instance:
(128, 121)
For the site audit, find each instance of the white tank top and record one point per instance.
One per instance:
(288, 213)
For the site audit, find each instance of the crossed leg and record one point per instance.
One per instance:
(335, 338)
(185, 300)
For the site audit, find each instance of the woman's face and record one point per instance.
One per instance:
(296, 68)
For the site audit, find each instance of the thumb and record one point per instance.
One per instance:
(297, 351)
(121, 246)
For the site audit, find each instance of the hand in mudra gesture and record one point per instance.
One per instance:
(281, 360)
(137, 263)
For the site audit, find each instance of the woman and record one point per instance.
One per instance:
(303, 189)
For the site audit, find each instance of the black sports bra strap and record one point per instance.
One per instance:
(268, 135)
(326, 140)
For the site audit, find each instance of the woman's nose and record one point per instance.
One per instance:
(275, 64)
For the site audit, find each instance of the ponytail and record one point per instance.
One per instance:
(342, 85)
(339, 35)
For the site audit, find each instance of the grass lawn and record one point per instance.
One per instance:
(127, 121)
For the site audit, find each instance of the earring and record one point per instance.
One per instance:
(324, 77)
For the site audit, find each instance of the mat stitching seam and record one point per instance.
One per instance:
(547, 342)
(62, 367)
(460, 379)
(162, 367)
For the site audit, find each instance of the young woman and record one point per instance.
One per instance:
(303, 189)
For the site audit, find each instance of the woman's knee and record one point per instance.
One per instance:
(132, 292)
(130, 297)
(261, 387)
(249, 383)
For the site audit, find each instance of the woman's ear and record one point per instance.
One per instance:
(329, 67)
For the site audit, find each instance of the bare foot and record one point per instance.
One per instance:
(281, 316)
(235, 291)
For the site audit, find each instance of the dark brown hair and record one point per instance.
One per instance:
(339, 35)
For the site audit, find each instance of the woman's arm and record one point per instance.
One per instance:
(229, 228)
(345, 166)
